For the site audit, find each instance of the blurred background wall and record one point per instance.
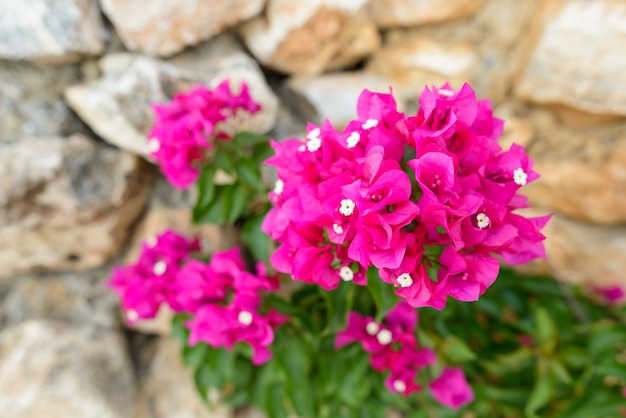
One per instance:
(77, 78)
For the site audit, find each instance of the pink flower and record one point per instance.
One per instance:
(451, 388)
(183, 129)
(145, 285)
(613, 295)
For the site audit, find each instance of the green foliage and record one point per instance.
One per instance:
(243, 196)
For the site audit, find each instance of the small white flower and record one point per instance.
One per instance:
(353, 139)
(347, 207)
(279, 186)
(370, 123)
(384, 337)
(520, 177)
(482, 220)
(405, 280)
(132, 315)
(244, 318)
(154, 145)
(445, 92)
(399, 386)
(314, 144)
(159, 267)
(346, 274)
(313, 133)
(372, 328)
(338, 229)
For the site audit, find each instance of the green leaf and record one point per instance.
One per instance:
(249, 174)
(249, 139)
(178, 329)
(339, 302)
(237, 205)
(354, 386)
(456, 350)
(206, 190)
(219, 207)
(257, 241)
(541, 393)
(545, 329)
(224, 159)
(194, 356)
(382, 293)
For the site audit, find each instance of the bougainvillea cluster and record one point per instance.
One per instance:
(429, 200)
(184, 129)
(222, 298)
(393, 348)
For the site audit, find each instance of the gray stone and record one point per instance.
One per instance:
(69, 297)
(50, 30)
(31, 100)
(163, 27)
(309, 38)
(50, 369)
(74, 211)
(577, 56)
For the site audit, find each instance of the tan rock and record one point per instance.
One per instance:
(167, 390)
(394, 13)
(163, 27)
(310, 95)
(75, 213)
(118, 105)
(583, 170)
(50, 30)
(586, 254)
(577, 56)
(308, 38)
(49, 369)
(419, 61)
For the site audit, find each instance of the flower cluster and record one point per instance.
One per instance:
(393, 347)
(182, 132)
(427, 199)
(221, 296)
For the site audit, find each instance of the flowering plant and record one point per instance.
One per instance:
(392, 214)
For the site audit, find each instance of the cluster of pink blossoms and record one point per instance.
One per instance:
(184, 128)
(428, 199)
(393, 347)
(222, 298)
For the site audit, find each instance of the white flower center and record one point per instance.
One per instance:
(132, 315)
(445, 92)
(405, 280)
(372, 328)
(482, 220)
(369, 124)
(279, 186)
(353, 139)
(244, 318)
(154, 145)
(399, 386)
(313, 133)
(338, 229)
(520, 177)
(346, 274)
(347, 207)
(313, 144)
(314, 141)
(159, 267)
(384, 337)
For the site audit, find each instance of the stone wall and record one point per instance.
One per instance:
(76, 81)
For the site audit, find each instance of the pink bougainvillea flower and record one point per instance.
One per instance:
(146, 284)
(184, 128)
(612, 295)
(451, 389)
